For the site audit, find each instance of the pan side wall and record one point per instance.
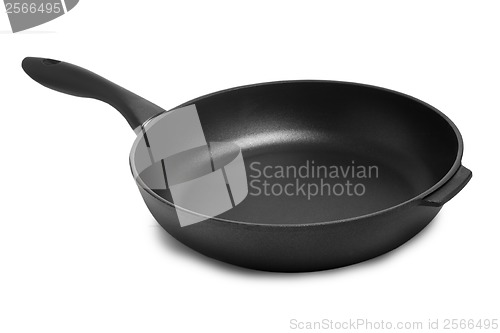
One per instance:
(296, 249)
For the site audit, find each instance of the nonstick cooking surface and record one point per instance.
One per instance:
(330, 125)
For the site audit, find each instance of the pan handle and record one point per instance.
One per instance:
(451, 188)
(77, 81)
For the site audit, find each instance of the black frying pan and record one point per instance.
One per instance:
(415, 149)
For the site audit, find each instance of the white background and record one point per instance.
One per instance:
(80, 252)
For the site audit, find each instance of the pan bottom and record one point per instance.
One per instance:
(300, 183)
(308, 186)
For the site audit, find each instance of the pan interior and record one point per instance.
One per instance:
(325, 151)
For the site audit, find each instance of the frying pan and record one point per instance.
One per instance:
(282, 127)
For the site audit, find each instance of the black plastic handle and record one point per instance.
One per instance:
(451, 188)
(77, 81)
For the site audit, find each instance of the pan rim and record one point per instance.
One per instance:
(413, 201)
